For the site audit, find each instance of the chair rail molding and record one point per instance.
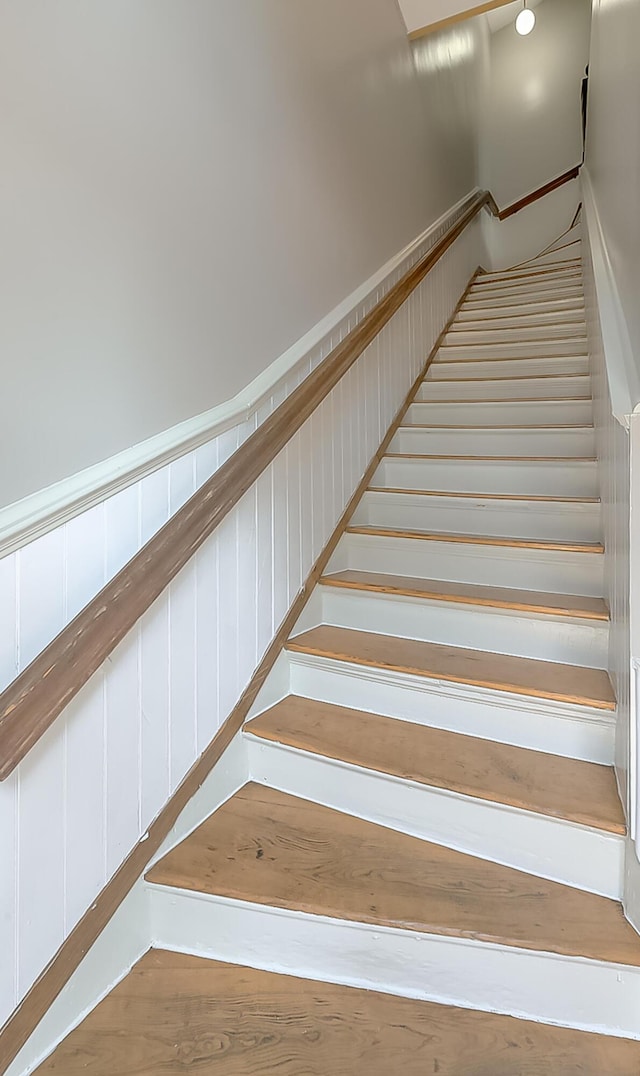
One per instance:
(44, 511)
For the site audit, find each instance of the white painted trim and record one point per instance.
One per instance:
(553, 848)
(624, 385)
(566, 991)
(35, 515)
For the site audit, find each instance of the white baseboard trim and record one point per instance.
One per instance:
(566, 991)
(35, 515)
(624, 384)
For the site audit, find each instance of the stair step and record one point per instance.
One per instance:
(526, 441)
(553, 282)
(574, 348)
(504, 367)
(523, 318)
(523, 296)
(567, 476)
(270, 848)
(503, 515)
(480, 539)
(546, 389)
(580, 792)
(174, 1011)
(518, 333)
(561, 268)
(498, 672)
(568, 605)
(499, 414)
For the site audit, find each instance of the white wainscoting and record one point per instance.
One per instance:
(613, 467)
(89, 790)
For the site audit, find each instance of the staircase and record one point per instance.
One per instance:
(432, 813)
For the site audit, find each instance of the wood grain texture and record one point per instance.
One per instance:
(484, 496)
(530, 780)
(497, 672)
(175, 1013)
(35, 698)
(277, 850)
(479, 539)
(34, 1005)
(568, 605)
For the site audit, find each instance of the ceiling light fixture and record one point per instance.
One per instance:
(525, 20)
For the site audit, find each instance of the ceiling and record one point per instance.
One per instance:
(431, 14)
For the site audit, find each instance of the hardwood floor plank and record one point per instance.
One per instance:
(268, 847)
(550, 785)
(469, 594)
(499, 672)
(174, 1013)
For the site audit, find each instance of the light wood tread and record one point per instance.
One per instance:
(498, 399)
(581, 792)
(277, 850)
(522, 427)
(484, 459)
(479, 539)
(484, 496)
(477, 668)
(582, 607)
(553, 357)
(175, 1012)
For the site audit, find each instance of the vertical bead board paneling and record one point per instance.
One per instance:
(74, 808)
(613, 468)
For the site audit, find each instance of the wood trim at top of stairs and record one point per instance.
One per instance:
(44, 991)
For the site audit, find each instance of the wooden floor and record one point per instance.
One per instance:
(499, 672)
(547, 784)
(177, 1014)
(277, 850)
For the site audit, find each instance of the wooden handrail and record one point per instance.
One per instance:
(31, 703)
(540, 192)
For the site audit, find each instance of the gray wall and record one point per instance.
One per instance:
(187, 188)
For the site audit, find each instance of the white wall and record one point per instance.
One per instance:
(81, 799)
(531, 129)
(613, 146)
(188, 187)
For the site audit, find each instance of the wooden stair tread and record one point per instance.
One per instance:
(519, 428)
(484, 459)
(478, 539)
(484, 496)
(470, 594)
(274, 849)
(174, 1012)
(550, 785)
(477, 668)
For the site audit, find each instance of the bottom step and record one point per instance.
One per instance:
(175, 1012)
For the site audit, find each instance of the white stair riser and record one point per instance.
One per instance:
(568, 264)
(552, 848)
(475, 515)
(501, 368)
(532, 287)
(529, 318)
(576, 993)
(512, 349)
(523, 296)
(496, 442)
(530, 276)
(567, 479)
(507, 333)
(540, 725)
(505, 413)
(516, 388)
(499, 631)
(556, 254)
(493, 566)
